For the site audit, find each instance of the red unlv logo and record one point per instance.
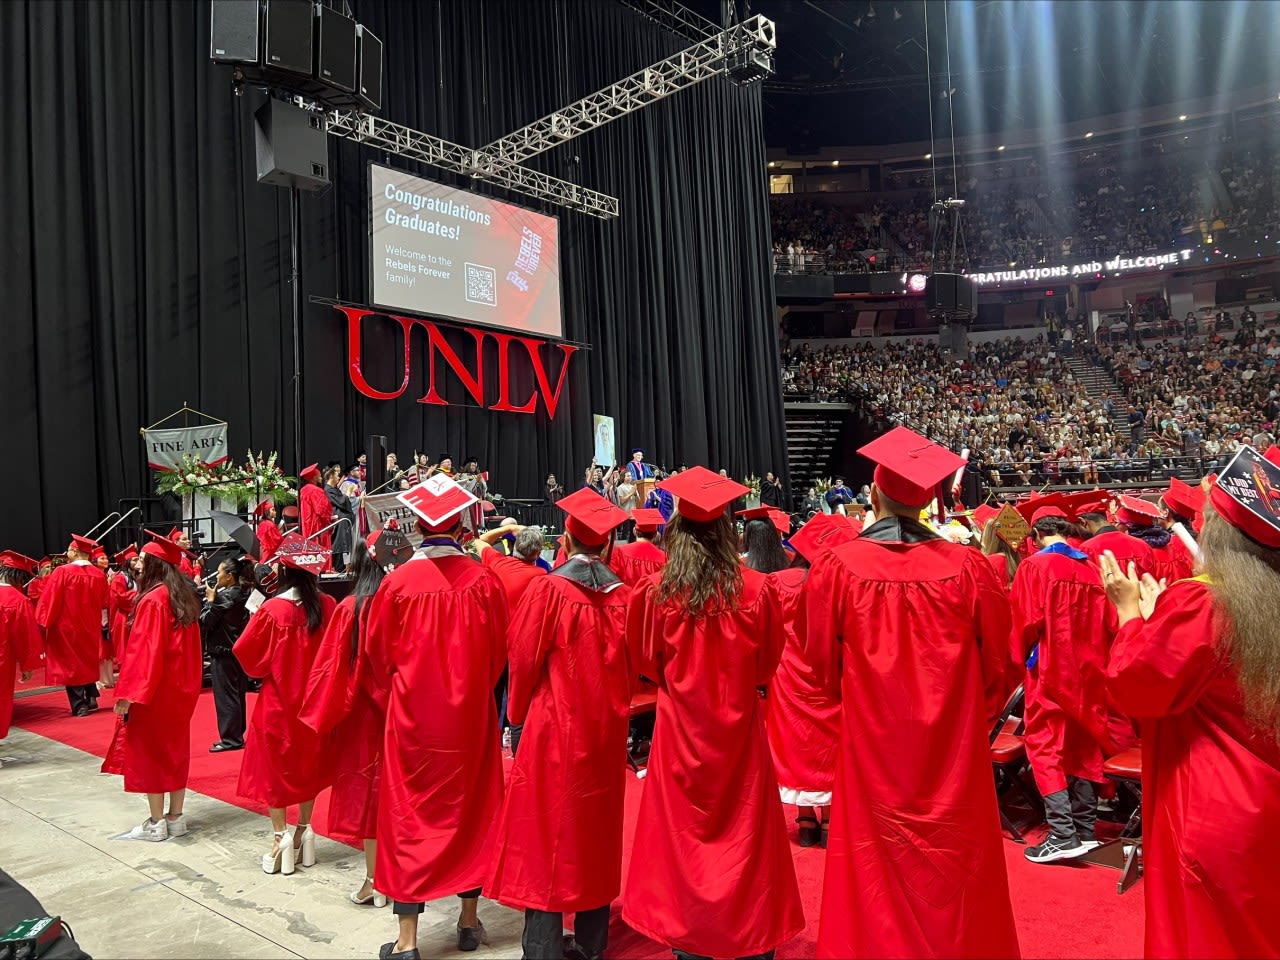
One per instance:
(472, 378)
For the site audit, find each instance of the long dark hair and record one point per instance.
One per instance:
(182, 596)
(703, 573)
(369, 575)
(308, 587)
(14, 577)
(763, 546)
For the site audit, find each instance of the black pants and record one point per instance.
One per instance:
(681, 955)
(543, 937)
(409, 909)
(517, 729)
(229, 686)
(1072, 812)
(82, 695)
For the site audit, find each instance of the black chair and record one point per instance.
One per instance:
(1009, 763)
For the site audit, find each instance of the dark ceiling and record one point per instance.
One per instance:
(855, 72)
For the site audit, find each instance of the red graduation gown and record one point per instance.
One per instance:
(71, 609)
(1125, 548)
(1179, 562)
(913, 638)
(160, 676)
(315, 513)
(1059, 603)
(19, 647)
(632, 562)
(714, 873)
(269, 539)
(1211, 785)
(803, 718)
(339, 700)
(285, 761)
(559, 842)
(437, 646)
(122, 598)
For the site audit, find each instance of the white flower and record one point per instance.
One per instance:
(201, 481)
(191, 478)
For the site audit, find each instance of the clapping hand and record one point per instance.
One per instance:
(1133, 596)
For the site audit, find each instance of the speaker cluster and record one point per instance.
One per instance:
(299, 47)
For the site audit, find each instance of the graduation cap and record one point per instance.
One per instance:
(824, 532)
(780, 520)
(1246, 495)
(97, 554)
(309, 473)
(1183, 499)
(302, 554)
(1051, 510)
(1012, 527)
(84, 544)
(1031, 506)
(1272, 454)
(436, 501)
(701, 495)
(909, 466)
(635, 450)
(125, 555)
(163, 548)
(389, 548)
(982, 514)
(17, 561)
(647, 519)
(262, 509)
(1136, 511)
(590, 518)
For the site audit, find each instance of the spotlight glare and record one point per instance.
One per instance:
(1088, 135)
(835, 163)
(1182, 116)
(928, 156)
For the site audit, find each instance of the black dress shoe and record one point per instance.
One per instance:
(573, 950)
(469, 938)
(81, 711)
(221, 747)
(384, 953)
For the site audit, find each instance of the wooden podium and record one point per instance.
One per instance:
(643, 489)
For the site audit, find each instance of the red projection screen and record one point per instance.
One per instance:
(449, 253)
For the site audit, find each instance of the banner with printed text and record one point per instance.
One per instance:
(381, 507)
(166, 447)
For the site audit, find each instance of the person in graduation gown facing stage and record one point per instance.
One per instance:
(123, 588)
(802, 718)
(342, 700)
(285, 762)
(1199, 665)
(157, 692)
(72, 611)
(314, 507)
(632, 562)
(559, 846)
(269, 535)
(713, 874)
(19, 634)
(436, 644)
(911, 632)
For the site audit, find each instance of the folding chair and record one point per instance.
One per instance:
(1009, 762)
(643, 703)
(1125, 852)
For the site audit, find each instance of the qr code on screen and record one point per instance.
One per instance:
(482, 284)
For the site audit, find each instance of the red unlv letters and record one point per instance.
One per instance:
(472, 379)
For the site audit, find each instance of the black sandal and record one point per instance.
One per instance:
(809, 832)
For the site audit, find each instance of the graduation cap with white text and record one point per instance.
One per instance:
(437, 501)
(1247, 496)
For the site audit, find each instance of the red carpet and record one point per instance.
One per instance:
(1062, 911)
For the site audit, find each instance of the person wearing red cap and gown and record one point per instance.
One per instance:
(1182, 503)
(1062, 630)
(314, 507)
(1125, 547)
(180, 536)
(124, 594)
(72, 611)
(717, 878)
(269, 535)
(436, 641)
(285, 762)
(802, 719)
(559, 837)
(157, 693)
(1196, 663)
(19, 635)
(911, 633)
(635, 561)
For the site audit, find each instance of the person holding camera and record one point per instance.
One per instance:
(222, 620)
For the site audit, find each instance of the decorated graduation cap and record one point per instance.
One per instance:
(303, 554)
(909, 466)
(1135, 511)
(589, 518)
(388, 547)
(437, 501)
(701, 495)
(1246, 495)
(84, 544)
(824, 532)
(1183, 499)
(125, 555)
(647, 519)
(262, 509)
(309, 473)
(17, 561)
(163, 548)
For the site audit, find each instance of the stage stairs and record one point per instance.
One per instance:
(1100, 386)
(813, 430)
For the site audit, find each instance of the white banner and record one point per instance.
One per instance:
(166, 447)
(381, 507)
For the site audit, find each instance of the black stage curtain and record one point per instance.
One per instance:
(144, 266)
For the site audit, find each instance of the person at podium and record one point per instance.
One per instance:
(637, 469)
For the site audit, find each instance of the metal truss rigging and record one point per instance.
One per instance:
(675, 18)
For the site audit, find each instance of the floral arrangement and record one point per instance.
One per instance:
(822, 485)
(754, 483)
(242, 484)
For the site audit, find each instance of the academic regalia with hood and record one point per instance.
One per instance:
(559, 837)
(714, 874)
(72, 611)
(910, 632)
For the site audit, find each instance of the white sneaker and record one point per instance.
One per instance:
(153, 830)
(177, 826)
